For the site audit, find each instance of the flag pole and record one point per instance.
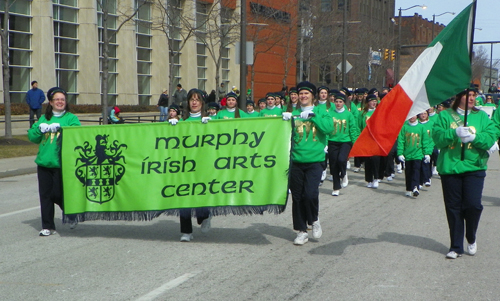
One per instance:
(474, 5)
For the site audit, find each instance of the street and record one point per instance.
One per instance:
(377, 244)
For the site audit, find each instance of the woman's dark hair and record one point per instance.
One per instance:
(237, 110)
(458, 98)
(50, 94)
(201, 97)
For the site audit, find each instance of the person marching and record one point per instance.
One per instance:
(426, 168)
(359, 103)
(47, 133)
(322, 100)
(310, 131)
(463, 180)
(372, 164)
(271, 110)
(340, 141)
(294, 100)
(413, 147)
(194, 111)
(251, 110)
(232, 111)
(262, 104)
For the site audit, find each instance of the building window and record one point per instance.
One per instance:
(201, 56)
(143, 43)
(110, 6)
(326, 5)
(19, 43)
(341, 4)
(65, 15)
(225, 66)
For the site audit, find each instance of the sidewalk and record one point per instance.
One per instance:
(17, 166)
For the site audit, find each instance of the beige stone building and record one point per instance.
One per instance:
(59, 43)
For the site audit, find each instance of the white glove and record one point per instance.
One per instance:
(493, 149)
(54, 127)
(305, 114)
(468, 139)
(401, 158)
(205, 119)
(287, 116)
(427, 159)
(173, 121)
(326, 149)
(44, 128)
(462, 131)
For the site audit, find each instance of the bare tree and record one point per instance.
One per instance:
(289, 36)
(4, 34)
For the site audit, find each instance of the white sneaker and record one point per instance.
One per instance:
(399, 168)
(428, 183)
(301, 238)
(472, 249)
(415, 192)
(356, 169)
(330, 178)
(73, 224)
(389, 178)
(348, 165)
(393, 175)
(317, 231)
(408, 193)
(45, 232)
(186, 237)
(375, 184)
(336, 192)
(453, 255)
(205, 225)
(289, 191)
(323, 175)
(345, 181)
(434, 171)
(369, 185)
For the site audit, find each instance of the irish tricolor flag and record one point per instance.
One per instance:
(440, 72)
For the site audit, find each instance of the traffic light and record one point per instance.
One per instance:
(393, 55)
(386, 54)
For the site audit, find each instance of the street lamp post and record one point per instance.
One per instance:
(434, 21)
(398, 52)
(243, 55)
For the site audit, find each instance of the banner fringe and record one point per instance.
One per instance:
(150, 215)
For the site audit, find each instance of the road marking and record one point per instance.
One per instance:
(18, 211)
(167, 286)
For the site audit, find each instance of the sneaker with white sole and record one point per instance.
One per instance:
(302, 238)
(428, 183)
(472, 249)
(375, 184)
(206, 225)
(369, 185)
(186, 237)
(389, 178)
(348, 165)
(415, 192)
(330, 178)
(408, 193)
(453, 255)
(345, 181)
(323, 175)
(435, 171)
(336, 192)
(356, 169)
(45, 232)
(393, 175)
(399, 168)
(317, 231)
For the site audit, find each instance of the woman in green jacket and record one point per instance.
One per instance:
(47, 132)
(462, 180)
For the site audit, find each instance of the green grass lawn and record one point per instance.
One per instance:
(17, 146)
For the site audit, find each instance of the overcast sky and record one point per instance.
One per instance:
(487, 17)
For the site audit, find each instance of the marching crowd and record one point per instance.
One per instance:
(327, 122)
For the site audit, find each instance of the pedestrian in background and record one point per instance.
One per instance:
(47, 133)
(35, 99)
(462, 180)
(163, 105)
(180, 96)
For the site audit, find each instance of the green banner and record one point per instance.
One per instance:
(139, 171)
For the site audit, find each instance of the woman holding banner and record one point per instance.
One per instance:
(311, 128)
(194, 112)
(462, 179)
(47, 133)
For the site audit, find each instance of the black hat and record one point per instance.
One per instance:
(307, 86)
(213, 105)
(176, 108)
(262, 100)
(372, 91)
(232, 94)
(365, 90)
(371, 97)
(359, 91)
(346, 91)
(53, 91)
(323, 88)
(333, 92)
(340, 96)
(250, 102)
(270, 94)
(293, 90)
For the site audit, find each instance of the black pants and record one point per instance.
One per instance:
(338, 153)
(372, 168)
(425, 172)
(304, 183)
(462, 201)
(33, 112)
(185, 218)
(434, 156)
(358, 161)
(391, 159)
(412, 174)
(50, 191)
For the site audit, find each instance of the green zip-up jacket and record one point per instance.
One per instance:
(414, 142)
(445, 137)
(345, 128)
(49, 151)
(309, 136)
